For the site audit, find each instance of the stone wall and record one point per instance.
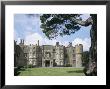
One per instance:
(78, 52)
(50, 56)
(19, 58)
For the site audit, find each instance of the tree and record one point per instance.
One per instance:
(62, 24)
(85, 58)
(54, 25)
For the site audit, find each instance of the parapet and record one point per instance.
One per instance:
(79, 48)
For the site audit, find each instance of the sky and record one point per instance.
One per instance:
(28, 28)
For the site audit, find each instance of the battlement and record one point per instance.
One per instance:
(22, 41)
(79, 48)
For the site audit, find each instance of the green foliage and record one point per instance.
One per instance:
(17, 70)
(29, 66)
(85, 58)
(59, 24)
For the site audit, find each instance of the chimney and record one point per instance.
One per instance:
(20, 40)
(23, 41)
(57, 43)
(38, 42)
(70, 43)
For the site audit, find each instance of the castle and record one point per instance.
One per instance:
(47, 55)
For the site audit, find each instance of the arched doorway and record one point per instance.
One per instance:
(47, 63)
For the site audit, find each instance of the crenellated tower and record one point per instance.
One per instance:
(78, 52)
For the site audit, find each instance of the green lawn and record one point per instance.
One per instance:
(51, 72)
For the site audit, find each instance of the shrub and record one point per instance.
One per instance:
(30, 66)
(68, 65)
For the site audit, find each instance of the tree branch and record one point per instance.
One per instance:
(88, 22)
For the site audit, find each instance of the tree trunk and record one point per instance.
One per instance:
(91, 69)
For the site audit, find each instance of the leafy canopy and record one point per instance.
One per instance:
(54, 25)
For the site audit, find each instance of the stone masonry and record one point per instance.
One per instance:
(48, 55)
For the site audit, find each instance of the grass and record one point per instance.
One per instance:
(51, 72)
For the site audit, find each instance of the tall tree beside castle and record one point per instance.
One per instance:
(85, 58)
(54, 25)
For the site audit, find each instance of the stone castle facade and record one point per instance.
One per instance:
(47, 55)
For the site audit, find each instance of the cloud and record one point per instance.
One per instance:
(25, 25)
(43, 40)
(18, 40)
(15, 35)
(49, 42)
(86, 42)
(33, 39)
